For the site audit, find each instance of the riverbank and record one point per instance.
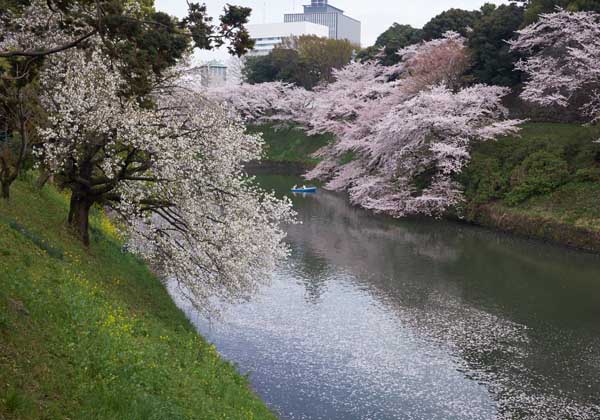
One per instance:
(544, 184)
(288, 151)
(92, 333)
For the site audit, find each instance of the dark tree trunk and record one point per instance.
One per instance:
(79, 214)
(42, 179)
(6, 190)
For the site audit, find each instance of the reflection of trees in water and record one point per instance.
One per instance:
(398, 258)
(502, 305)
(312, 269)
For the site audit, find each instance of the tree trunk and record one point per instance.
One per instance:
(6, 190)
(42, 179)
(79, 214)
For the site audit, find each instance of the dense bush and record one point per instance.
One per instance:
(544, 158)
(540, 173)
(486, 181)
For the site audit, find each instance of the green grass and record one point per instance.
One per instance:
(290, 144)
(93, 334)
(574, 204)
(552, 171)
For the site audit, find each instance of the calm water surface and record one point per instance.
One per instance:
(373, 318)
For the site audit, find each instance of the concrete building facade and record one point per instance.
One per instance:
(320, 12)
(210, 74)
(268, 35)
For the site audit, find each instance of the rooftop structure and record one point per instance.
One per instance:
(322, 13)
(268, 35)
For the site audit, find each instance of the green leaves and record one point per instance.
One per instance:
(232, 28)
(540, 173)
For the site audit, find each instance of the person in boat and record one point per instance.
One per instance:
(295, 187)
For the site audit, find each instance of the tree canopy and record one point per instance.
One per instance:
(534, 8)
(457, 20)
(493, 62)
(305, 61)
(391, 41)
(144, 42)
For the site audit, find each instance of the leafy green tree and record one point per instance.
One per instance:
(456, 20)
(536, 7)
(260, 69)
(321, 56)
(493, 63)
(305, 61)
(391, 41)
(291, 67)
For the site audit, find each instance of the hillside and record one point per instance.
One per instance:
(543, 184)
(290, 145)
(93, 334)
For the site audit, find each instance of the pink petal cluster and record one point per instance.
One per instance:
(562, 59)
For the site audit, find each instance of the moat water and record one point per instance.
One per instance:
(375, 318)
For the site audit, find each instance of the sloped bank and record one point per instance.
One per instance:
(92, 333)
(288, 151)
(537, 227)
(544, 184)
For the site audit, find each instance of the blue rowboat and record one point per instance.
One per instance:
(306, 190)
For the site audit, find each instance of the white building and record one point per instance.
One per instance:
(209, 74)
(321, 12)
(269, 35)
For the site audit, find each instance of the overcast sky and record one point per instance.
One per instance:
(375, 15)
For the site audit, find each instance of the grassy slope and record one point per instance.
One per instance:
(551, 173)
(92, 334)
(290, 145)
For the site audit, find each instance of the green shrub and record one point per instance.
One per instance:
(540, 173)
(516, 169)
(588, 174)
(486, 181)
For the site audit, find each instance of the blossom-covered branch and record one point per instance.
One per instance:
(563, 59)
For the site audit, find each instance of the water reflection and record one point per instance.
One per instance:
(382, 319)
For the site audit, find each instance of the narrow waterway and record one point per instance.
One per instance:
(374, 318)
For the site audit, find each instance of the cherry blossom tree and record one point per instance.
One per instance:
(172, 173)
(265, 102)
(406, 131)
(42, 29)
(147, 42)
(410, 164)
(563, 59)
(19, 104)
(442, 60)
(362, 96)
